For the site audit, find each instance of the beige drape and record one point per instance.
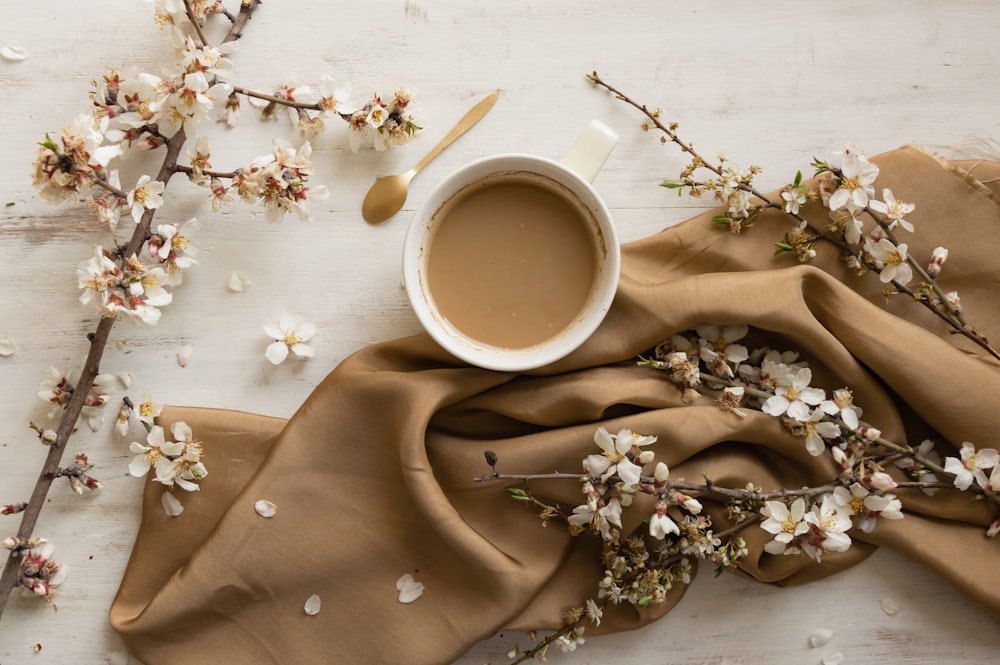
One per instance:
(372, 476)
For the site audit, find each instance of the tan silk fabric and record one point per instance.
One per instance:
(372, 477)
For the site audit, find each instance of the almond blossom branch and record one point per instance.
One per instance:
(742, 214)
(98, 339)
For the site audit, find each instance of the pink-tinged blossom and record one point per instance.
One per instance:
(660, 523)
(828, 522)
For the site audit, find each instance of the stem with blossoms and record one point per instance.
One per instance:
(146, 112)
(9, 579)
(640, 568)
(735, 189)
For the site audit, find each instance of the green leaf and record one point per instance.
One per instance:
(722, 220)
(672, 184)
(645, 601)
(783, 248)
(798, 178)
(517, 494)
(49, 143)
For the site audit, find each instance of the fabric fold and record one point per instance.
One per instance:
(373, 476)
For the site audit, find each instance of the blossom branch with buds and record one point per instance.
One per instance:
(137, 111)
(847, 190)
(640, 568)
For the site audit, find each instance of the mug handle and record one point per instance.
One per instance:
(590, 150)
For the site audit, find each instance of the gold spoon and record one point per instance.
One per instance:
(388, 194)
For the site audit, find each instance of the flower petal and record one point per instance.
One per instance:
(409, 588)
(276, 352)
(13, 52)
(7, 348)
(313, 604)
(265, 508)
(171, 506)
(184, 355)
(239, 282)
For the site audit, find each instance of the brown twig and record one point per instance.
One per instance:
(283, 101)
(98, 342)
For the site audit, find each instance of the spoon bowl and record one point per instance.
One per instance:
(386, 197)
(388, 194)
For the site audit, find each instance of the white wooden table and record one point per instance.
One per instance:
(770, 83)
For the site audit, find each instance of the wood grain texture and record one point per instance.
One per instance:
(770, 83)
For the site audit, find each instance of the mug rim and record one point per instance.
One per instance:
(486, 355)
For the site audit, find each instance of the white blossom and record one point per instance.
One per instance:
(794, 398)
(786, 523)
(618, 453)
(971, 465)
(288, 335)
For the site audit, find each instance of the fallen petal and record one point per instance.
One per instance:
(184, 355)
(312, 605)
(7, 348)
(409, 589)
(126, 379)
(889, 606)
(171, 506)
(13, 52)
(265, 508)
(835, 658)
(819, 637)
(239, 282)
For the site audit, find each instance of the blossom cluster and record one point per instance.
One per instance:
(119, 284)
(383, 124)
(37, 571)
(640, 568)
(175, 463)
(729, 185)
(779, 385)
(56, 390)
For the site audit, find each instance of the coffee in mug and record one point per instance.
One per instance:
(513, 259)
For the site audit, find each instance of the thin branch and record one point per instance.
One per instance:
(98, 342)
(181, 168)
(957, 323)
(194, 23)
(283, 101)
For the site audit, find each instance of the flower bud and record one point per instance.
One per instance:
(661, 472)
(938, 257)
(10, 543)
(48, 437)
(692, 505)
(13, 508)
(954, 301)
(881, 480)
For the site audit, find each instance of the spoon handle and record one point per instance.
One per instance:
(468, 120)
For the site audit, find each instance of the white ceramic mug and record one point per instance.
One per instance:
(572, 175)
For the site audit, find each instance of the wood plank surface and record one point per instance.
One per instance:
(769, 83)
